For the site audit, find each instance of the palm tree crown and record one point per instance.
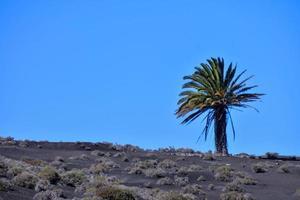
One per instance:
(212, 92)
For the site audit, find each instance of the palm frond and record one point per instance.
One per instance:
(211, 88)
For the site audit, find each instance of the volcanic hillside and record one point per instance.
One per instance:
(105, 171)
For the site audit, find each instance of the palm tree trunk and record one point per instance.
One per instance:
(220, 130)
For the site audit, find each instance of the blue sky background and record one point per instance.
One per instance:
(112, 70)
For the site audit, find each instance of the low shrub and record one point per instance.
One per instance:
(125, 159)
(165, 181)
(97, 153)
(115, 193)
(119, 154)
(192, 168)
(233, 186)
(201, 178)
(167, 164)
(195, 189)
(73, 178)
(181, 181)
(50, 174)
(135, 170)
(83, 157)
(211, 186)
(5, 185)
(99, 168)
(59, 159)
(173, 196)
(244, 179)
(155, 173)
(284, 169)
(3, 169)
(42, 185)
(34, 162)
(108, 163)
(49, 194)
(224, 173)
(260, 167)
(146, 164)
(25, 179)
(195, 168)
(14, 171)
(232, 195)
(208, 156)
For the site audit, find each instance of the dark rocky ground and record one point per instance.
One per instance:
(94, 171)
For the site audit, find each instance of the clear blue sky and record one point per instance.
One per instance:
(112, 70)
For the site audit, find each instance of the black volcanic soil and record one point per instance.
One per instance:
(274, 184)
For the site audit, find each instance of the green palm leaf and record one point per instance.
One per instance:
(211, 91)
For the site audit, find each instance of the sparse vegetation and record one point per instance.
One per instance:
(201, 178)
(99, 168)
(234, 186)
(224, 173)
(167, 164)
(42, 185)
(165, 181)
(284, 169)
(174, 196)
(114, 193)
(97, 153)
(152, 175)
(260, 167)
(181, 181)
(73, 178)
(49, 194)
(50, 174)
(195, 189)
(5, 184)
(34, 162)
(233, 195)
(3, 169)
(25, 179)
(155, 172)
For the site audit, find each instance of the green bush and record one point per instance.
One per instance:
(50, 174)
(3, 169)
(260, 167)
(26, 180)
(114, 193)
(73, 178)
(15, 170)
(234, 186)
(173, 196)
(244, 179)
(235, 196)
(33, 162)
(5, 185)
(224, 173)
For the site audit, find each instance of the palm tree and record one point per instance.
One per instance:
(212, 93)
